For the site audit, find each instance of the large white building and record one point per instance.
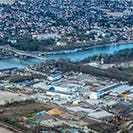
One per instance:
(41, 85)
(63, 91)
(64, 88)
(114, 89)
(62, 95)
(103, 91)
(54, 77)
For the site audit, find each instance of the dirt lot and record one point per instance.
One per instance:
(3, 130)
(25, 109)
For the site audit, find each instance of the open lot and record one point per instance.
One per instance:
(25, 109)
(3, 130)
(9, 97)
(128, 70)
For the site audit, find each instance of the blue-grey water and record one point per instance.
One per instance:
(21, 63)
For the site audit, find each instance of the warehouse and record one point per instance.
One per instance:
(54, 77)
(40, 85)
(62, 95)
(96, 94)
(64, 88)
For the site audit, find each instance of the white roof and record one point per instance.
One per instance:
(121, 89)
(41, 85)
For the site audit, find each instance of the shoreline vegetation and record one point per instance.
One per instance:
(117, 58)
(80, 48)
(83, 48)
(66, 66)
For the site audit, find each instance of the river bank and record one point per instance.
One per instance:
(118, 57)
(84, 48)
(5, 57)
(74, 57)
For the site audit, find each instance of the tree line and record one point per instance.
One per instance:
(66, 66)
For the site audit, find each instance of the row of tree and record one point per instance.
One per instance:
(27, 43)
(19, 78)
(113, 73)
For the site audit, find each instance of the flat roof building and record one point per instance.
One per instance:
(96, 94)
(62, 94)
(63, 88)
(54, 77)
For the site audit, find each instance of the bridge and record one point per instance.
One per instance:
(22, 53)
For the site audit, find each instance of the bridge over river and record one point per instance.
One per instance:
(75, 56)
(22, 53)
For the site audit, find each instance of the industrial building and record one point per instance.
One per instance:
(62, 95)
(63, 91)
(54, 77)
(63, 88)
(98, 93)
(40, 85)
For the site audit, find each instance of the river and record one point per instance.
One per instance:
(76, 56)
